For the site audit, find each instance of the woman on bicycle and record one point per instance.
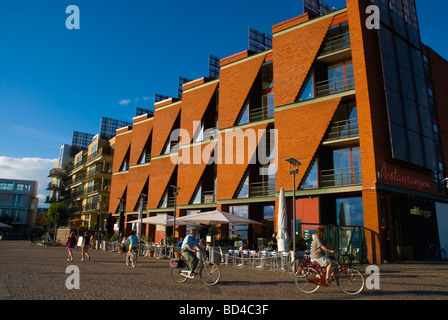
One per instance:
(318, 249)
(133, 242)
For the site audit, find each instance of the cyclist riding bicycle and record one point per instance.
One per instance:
(318, 249)
(188, 250)
(133, 241)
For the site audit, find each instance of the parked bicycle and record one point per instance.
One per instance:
(131, 258)
(310, 278)
(209, 272)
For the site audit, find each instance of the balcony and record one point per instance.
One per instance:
(262, 189)
(340, 177)
(53, 186)
(261, 114)
(335, 44)
(335, 85)
(56, 173)
(343, 129)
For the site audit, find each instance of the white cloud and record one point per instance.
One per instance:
(124, 102)
(36, 169)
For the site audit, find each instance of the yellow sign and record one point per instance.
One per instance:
(419, 212)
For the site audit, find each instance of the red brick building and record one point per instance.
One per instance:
(362, 110)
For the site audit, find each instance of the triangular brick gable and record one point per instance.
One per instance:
(230, 175)
(194, 105)
(235, 83)
(140, 132)
(136, 182)
(161, 171)
(118, 186)
(294, 53)
(164, 119)
(189, 175)
(121, 148)
(300, 132)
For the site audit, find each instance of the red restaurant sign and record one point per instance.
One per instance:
(394, 175)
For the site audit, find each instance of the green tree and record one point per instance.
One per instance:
(57, 213)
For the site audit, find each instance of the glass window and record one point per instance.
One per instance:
(349, 212)
(241, 230)
(267, 74)
(411, 112)
(407, 83)
(308, 91)
(244, 189)
(391, 74)
(245, 116)
(198, 197)
(312, 180)
(416, 148)
(268, 212)
(399, 142)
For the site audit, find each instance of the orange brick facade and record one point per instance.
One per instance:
(301, 129)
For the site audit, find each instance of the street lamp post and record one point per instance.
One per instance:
(293, 171)
(140, 214)
(175, 192)
(121, 216)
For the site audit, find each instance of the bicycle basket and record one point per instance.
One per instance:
(176, 263)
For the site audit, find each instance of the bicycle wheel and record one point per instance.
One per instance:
(351, 281)
(210, 273)
(178, 274)
(308, 280)
(133, 260)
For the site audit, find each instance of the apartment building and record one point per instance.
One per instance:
(361, 110)
(18, 202)
(82, 175)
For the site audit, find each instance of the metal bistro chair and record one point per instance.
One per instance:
(253, 256)
(244, 258)
(262, 256)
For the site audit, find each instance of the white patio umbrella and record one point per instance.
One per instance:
(216, 217)
(282, 234)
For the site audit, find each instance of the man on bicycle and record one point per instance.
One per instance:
(318, 249)
(188, 250)
(133, 241)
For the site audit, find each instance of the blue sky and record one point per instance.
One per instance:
(54, 81)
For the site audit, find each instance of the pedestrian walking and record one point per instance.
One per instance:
(71, 244)
(85, 246)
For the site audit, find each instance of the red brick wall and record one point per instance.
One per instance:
(229, 176)
(294, 53)
(164, 118)
(234, 85)
(194, 105)
(190, 174)
(300, 132)
(140, 134)
(160, 173)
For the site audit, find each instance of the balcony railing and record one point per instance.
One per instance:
(262, 189)
(208, 197)
(336, 43)
(343, 129)
(340, 177)
(335, 85)
(261, 114)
